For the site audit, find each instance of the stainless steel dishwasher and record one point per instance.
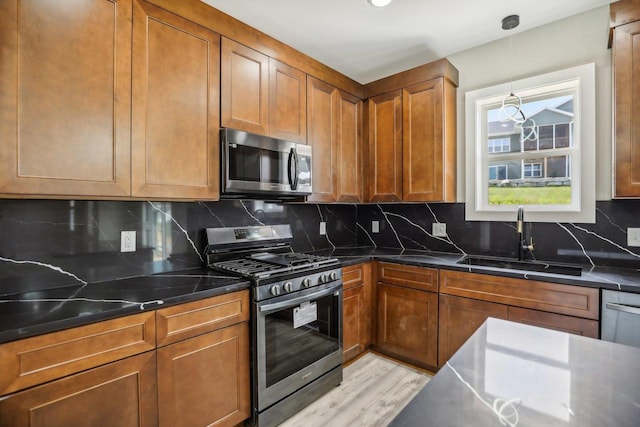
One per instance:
(621, 317)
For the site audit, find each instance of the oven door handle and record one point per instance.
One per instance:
(296, 301)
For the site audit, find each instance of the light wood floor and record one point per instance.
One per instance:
(373, 391)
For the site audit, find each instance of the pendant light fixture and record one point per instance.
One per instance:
(511, 108)
(379, 3)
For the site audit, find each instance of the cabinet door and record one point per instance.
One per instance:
(205, 380)
(287, 102)
(356, 309)
(572, 325)
(626, 63)
(423, 142)
(349, 140)
(122, 394)
(321, 136)
(65, 101)
(459, 318)
(385, 148)
(244, 88)
(175, 152)
(408, 323)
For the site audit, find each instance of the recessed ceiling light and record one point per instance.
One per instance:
(379, 3)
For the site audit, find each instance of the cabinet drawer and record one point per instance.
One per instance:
(195, 318)
(552, 297)
(354, 275)
(558, 322)
(36, 360)
(421, 278)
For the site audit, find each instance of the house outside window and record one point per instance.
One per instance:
(546, 163)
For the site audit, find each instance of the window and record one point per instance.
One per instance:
(498, 172)
(532, 170)
(546, 163)
(499, 145)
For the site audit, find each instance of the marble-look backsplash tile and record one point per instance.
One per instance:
(51, 243)
(409, 226)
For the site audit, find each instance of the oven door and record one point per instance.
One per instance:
(298, 339)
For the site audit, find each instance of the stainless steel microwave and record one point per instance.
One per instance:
(260, 166)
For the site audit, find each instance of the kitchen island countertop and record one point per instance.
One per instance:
(513, 374)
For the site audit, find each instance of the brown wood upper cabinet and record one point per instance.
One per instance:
(412, 135)
(175, 148)
(93, 112)
(262, 95)
(334, 130)
(626, 72)
(65, 101)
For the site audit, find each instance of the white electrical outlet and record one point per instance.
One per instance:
(633, 236)
(375, 226)
(439, 229)
(323, 228)
(127, 241)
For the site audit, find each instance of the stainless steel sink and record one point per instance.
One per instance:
(513, 264)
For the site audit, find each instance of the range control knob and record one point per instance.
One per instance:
(322, 278)
(275, 290)
(288, 286)
(306, 282)
(333, 276)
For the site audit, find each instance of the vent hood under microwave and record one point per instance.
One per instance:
(256, 166)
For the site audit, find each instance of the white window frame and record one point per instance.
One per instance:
(580, 80)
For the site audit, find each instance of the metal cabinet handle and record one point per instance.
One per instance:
(624, 308)
(296, 301)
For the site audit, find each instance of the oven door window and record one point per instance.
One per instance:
(290, 349)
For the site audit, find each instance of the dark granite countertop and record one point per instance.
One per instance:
(595, 277)
(499, 378)
(33, 313)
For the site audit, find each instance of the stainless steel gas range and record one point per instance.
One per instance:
(296, 316)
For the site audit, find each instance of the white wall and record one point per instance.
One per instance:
(562, 44)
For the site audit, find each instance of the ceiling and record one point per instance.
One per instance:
(367, 43)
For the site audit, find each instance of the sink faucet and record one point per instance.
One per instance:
(522, 240)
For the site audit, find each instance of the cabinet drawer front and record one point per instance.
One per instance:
(559, 322)
(47, 357)
(552, 297)
(189, 320)
(354, 275)
(408, 275)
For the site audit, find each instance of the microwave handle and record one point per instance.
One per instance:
(293, 164)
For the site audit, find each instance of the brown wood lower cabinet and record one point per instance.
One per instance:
(121, 393)
(460, 317)
(356, 309)
(407, 324)
(205, 380)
